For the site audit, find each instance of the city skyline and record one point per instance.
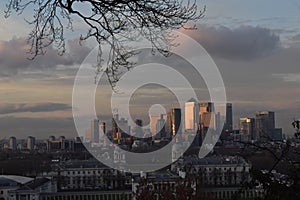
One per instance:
(260, 75)
(262, 125)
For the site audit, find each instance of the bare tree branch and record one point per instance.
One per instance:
(110, 22)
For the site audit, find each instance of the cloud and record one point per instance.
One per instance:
(296, 37)
(14, 59)
(289, 77)
(77, 52)
(243, 43)
(8, 108)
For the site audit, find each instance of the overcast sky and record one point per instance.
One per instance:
(255, 44)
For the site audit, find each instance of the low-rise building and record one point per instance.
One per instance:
(80, 175)
(25, 188)
(216, 170)
(88, 195)
(212, 177)
(33, 189)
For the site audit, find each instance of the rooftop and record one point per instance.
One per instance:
(12, 180)
(91, 163)
(32, 185)
(214, 160)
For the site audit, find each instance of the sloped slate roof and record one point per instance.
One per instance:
(11, 180)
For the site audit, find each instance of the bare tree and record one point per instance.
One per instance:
(296, 125)
(284, 154)
(110, 22)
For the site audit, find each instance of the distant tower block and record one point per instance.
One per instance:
(30, 143)
(12, 143)
(207, 115)
(102, 132)
(95, 130)
(264, 125)
(228, 118)
(191, 115)
(247, 129)
(174, 121)
(102, 128)
(138, 128)
(160, 127)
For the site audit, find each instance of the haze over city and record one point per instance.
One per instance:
(255, 45)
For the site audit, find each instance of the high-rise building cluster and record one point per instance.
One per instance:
(196, 118)
(14, 145)
(260, 128)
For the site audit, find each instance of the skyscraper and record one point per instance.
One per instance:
(208, 120)
(103, 128)
(191, 115)
(30, 143)
(120, 128)
(219, 125)
(12, 143)
(206, 107)
(174, 121)
(95, 130)
(277, 134)
(207, 115)
(102, 132)
(138, 128)
(115, 128)
(160, 127)
(228, 118)
(264, 125)
(247, 129)
(153, 121)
